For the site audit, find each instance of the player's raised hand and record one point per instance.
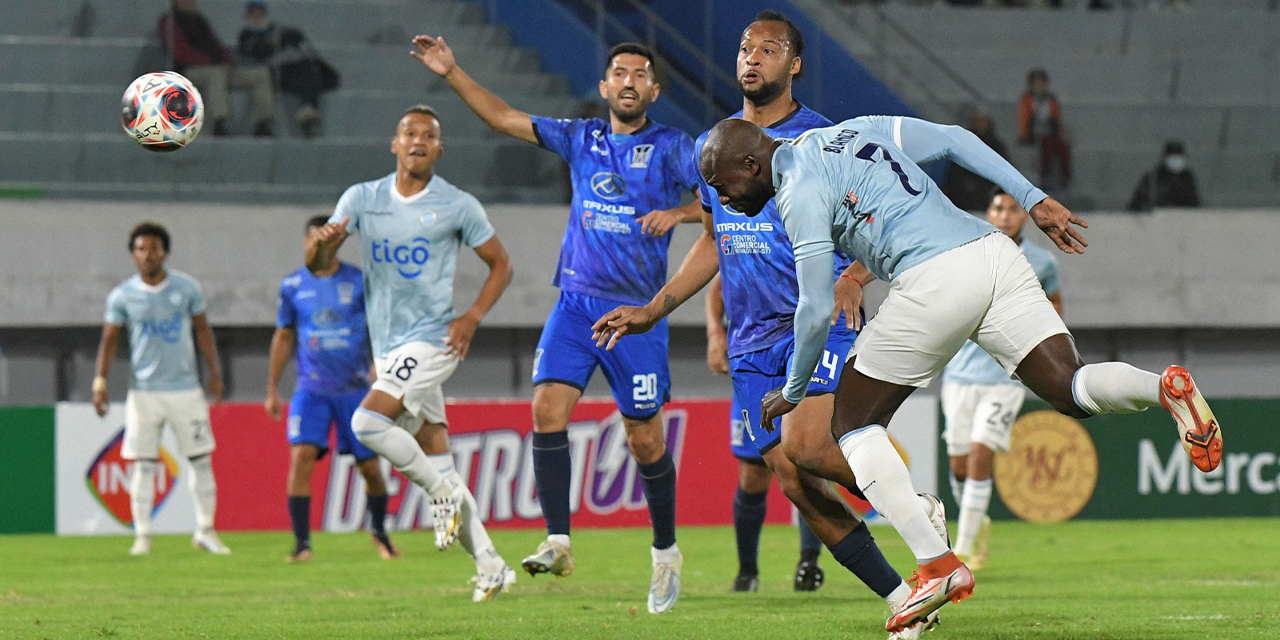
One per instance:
(718, 352)
(773, 406)
(848, 301)
(461, 331)
(1055, 221)
(621, 321)
(657, 223)
(435, 54)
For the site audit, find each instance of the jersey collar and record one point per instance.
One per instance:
(395, 193)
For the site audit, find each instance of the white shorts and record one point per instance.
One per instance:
(981, 413)
(146, 412)
(413, 373)
(983, 291)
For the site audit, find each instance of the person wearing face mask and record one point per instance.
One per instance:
(297, 68)
(1170, 184)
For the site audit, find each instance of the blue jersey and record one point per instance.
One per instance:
(756, 250)
(410, 246)
(972, 365)
(328, 316)
(856, 187)
(617, 179)
(161, 350)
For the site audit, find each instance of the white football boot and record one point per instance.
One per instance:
(209, 541)
(446, 515)
(664, 588)
(141, 546)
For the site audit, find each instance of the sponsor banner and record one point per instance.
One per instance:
(1133, 466)
(491, 444)
(26, 470)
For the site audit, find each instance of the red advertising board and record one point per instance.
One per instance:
(491, 447)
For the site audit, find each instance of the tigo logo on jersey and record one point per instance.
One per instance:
(108, 480)
(608, 185)
(168, 329)
(408, 258)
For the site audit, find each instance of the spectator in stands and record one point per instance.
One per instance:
(199, 54)
(298, 69)
(965, 189)
(1171, 182)
(1040, 123)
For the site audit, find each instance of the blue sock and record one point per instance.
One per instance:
(810, 545)
(748, 518)
(551, 470)
(860, 555)
(659, 480)
(377, 506)
(300, 518)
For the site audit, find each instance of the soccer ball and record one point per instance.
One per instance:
(162, 111)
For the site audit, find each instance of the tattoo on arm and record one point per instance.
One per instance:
(669, 303)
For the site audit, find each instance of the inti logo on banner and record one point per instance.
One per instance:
(108, 480)
(498, 465)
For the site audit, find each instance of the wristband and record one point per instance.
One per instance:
(100, 384)
(851, 278)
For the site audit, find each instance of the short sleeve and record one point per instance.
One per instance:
(475, 226)
(286, 313)
(116, 314)
(349, 206)
(196, 305)
(557, 134)
(682, 167)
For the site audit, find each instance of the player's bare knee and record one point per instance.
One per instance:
(549, 416)
(959, 467)
(644, 439)
(1066, 405)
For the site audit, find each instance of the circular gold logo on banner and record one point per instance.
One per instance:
(1051, 469)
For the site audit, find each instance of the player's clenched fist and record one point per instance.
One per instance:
(622, 321)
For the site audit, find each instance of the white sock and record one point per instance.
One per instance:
(142, 495)
(473, 536)
(898, 596)
(1115, 387)
(205, 491)
(388, 440)
(887, 485)
(973, 508)
(957, 489)
(559, 538)
(665, 555)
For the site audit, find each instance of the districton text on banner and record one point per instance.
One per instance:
(491, 447)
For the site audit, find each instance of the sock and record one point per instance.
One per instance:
(559, 538)
(668, 554)
(858, 553)
(473, 536)
(973, 508)
(551, 472)
(1115, 387)
(377, 507)
(388, 440)
(142, 495)
(749, 510)
(300, 518)
(887, 485)
(659, 480)
(957, 488)
(810, 545)
(898, 596)
(205, 491)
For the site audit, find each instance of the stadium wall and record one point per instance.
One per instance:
(1174, 269)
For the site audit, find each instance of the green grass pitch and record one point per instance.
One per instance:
(1193, 579)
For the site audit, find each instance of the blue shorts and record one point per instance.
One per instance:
(636, 368)
(759, 372)
(311, 414)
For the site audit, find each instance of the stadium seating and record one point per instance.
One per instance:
(1127, 81)
(63, 67)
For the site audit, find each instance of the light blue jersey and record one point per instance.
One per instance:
(856, 186)
(972, 365)
(410, 248)
(161, 350)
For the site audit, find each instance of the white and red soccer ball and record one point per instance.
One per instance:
(162, 111)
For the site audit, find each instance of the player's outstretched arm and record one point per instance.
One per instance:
(209, 351)
(700, 265)
(282, 343)
(463, 328)
(660, 221)
(1055, 221)
(102, 366)
(435, 54)
(717, 338)
(322, 244)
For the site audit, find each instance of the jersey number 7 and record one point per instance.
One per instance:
(868, 152)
